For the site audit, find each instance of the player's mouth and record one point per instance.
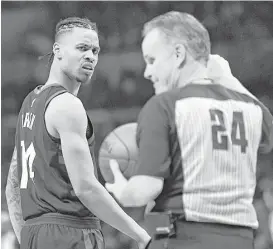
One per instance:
(88, 67)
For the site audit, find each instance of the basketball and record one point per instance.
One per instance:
(119, 144)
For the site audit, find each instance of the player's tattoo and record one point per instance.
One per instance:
(13, 197)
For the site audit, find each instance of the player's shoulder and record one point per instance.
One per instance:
(25, 103)
(27, 98)
(67, 101)
(66, 107)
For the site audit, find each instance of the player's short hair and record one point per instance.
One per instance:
(185, 28)
(67, 25)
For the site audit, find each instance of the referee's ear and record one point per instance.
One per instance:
(180, 52)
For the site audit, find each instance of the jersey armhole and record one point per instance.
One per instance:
(90, 128)
(54, 139)
(266, 140)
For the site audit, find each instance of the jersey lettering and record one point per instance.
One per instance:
(27, 163)
(28, 120)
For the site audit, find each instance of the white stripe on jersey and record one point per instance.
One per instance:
(218, 184)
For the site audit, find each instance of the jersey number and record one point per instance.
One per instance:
(27, 163)
(219, 132)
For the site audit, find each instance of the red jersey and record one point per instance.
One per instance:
(44, 183)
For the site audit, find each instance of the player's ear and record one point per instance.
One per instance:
(57, 50)
(180, 52)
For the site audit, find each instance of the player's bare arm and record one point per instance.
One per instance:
(66, 115)
(14, 198)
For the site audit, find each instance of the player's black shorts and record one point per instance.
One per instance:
(54, 232)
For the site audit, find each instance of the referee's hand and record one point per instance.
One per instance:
(120, 182)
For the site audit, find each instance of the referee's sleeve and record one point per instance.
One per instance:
(153, 140)
(266, 145)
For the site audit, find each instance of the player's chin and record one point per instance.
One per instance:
(86, 72)
(85, 79)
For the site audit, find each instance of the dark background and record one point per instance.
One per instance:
(241, 32)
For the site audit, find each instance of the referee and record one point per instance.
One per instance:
(198, 139)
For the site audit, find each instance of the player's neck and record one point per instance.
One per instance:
(56, 76)
(192, 72)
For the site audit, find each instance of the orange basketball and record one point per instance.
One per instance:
(119, 144)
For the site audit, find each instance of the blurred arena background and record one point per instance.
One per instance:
(241, 32)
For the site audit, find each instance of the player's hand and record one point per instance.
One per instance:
(219, 70)
(145, 245)
(218, 67)
(120, 181)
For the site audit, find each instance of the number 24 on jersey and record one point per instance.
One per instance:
(238, 133)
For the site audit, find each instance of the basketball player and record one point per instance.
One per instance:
(53, 195)
(198, 144)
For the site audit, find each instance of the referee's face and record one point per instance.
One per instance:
(160, 61)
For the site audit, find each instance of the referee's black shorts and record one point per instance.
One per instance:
(49, 233)
(195, 235)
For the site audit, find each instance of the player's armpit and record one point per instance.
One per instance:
(13, 197)
(140, 190)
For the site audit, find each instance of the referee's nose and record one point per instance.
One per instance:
(147, 73)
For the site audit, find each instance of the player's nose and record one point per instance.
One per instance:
(89, 56)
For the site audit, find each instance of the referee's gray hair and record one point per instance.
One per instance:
(185, 28)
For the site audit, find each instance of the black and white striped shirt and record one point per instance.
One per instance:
(204, 140)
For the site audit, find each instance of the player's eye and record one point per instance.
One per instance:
(95, 51)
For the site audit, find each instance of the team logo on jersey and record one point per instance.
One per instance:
(32, 102)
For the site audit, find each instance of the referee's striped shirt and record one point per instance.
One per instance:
(204, 141)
